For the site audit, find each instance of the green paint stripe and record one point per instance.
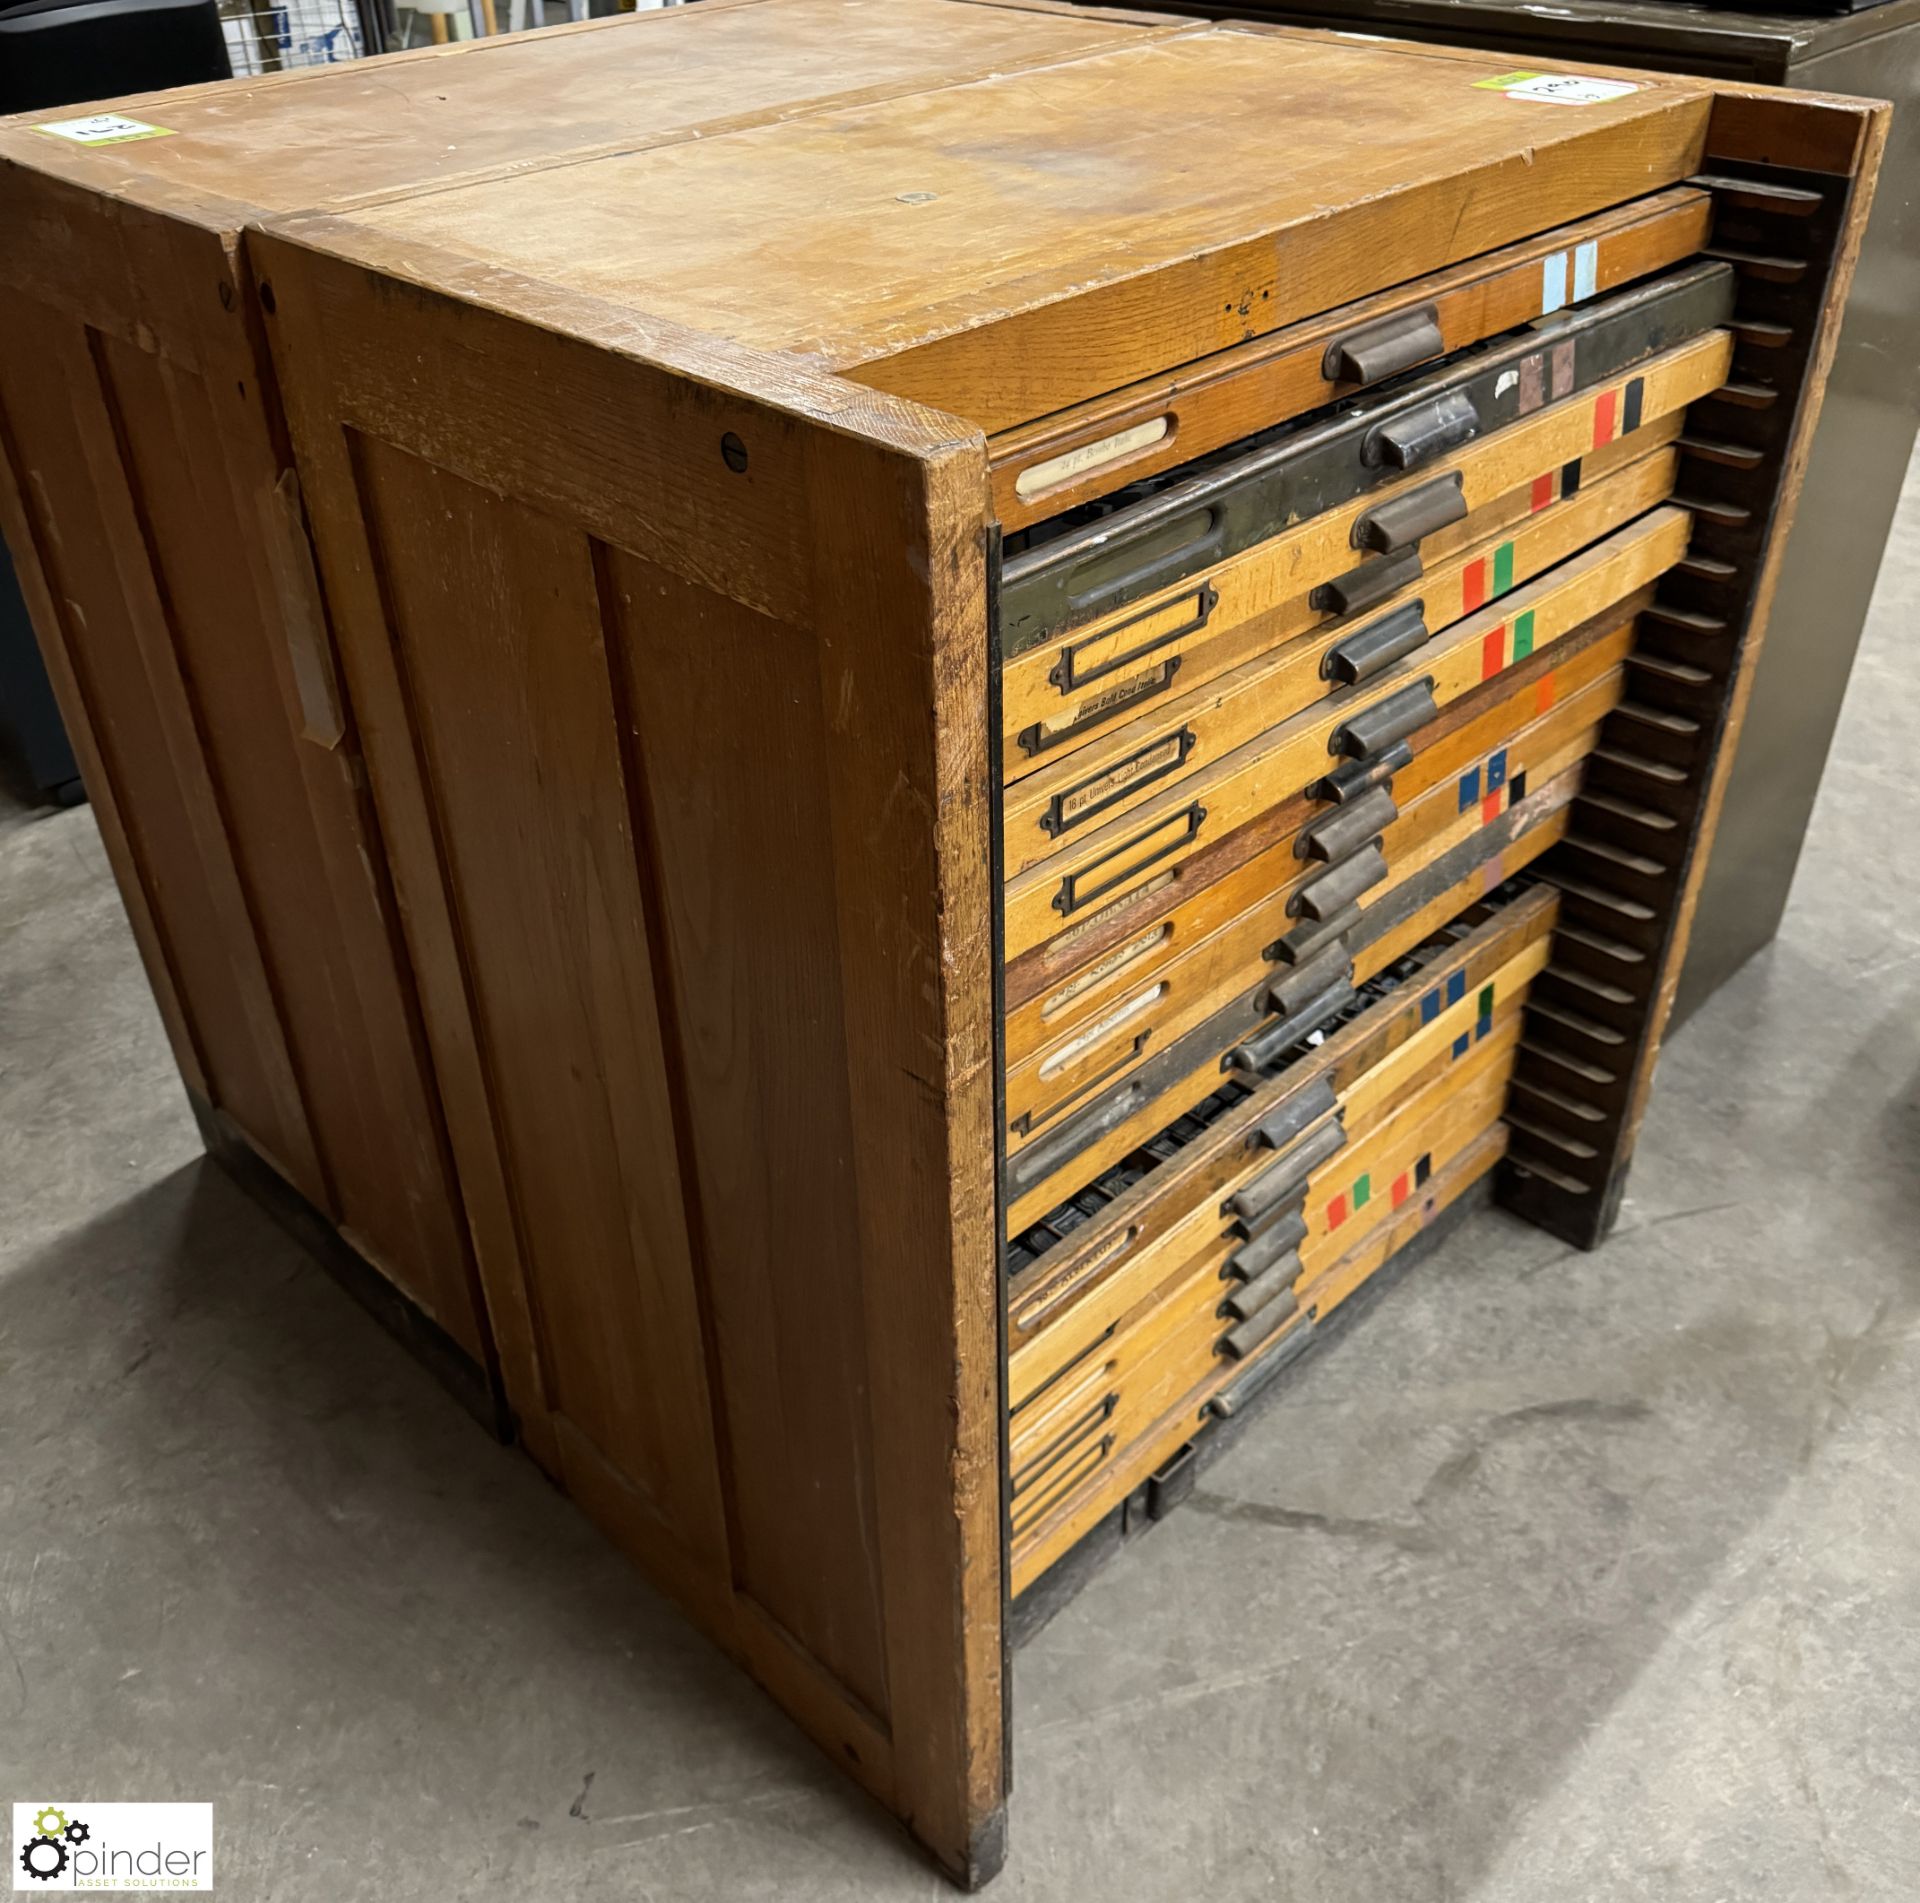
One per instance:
(1503, 568)
(1486, 1001)
(1363, 1192)
(1523, 636)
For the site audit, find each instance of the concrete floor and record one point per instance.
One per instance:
(1562, 1578)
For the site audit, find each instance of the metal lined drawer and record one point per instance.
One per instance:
(1304, 471)
(1064, 694)
(1094, 447)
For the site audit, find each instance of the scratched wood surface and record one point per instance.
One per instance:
(1008, 246)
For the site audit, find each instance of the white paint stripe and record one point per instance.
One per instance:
(1586, 270)
(1553, 283)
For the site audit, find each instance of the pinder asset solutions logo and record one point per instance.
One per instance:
(118, 1847)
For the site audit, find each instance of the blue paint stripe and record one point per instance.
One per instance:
(1497, 771)
(1456, 987)
(1470, 790)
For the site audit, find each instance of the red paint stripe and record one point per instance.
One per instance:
(1473, 585)
(1493, 653)
(1543, 490)
(1402, 1189)
(1337, 1211)
(1544, 695)
(1605, 417)
(1490, 809)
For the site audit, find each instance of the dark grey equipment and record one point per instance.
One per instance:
(54, 54)
(1866, 432)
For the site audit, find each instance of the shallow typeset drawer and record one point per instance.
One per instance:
(1354, 464)
(1161, 985)
(1181, 736)
(1068, 974)
(1140, 431)
(1354, 728)
(1101, 1247)
(1228, 1387)
(1180, 1338)
(1064, 694)
(1252, 1038)
(1277, 1211)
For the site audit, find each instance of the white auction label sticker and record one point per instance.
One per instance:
(103, 128)
(1558, 89)
(117, 1847)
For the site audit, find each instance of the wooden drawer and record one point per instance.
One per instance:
(1070, 1441)
(1081, 1145)
(1147, 428)
(1228, 1387)
(1180, 736)
(1203, 892)
(1076, 875)
(1109, 1251)
(1342, 1171)
(1161, 985)
(1071, 693)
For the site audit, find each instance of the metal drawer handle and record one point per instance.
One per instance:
(1247, 1299)
(1347, 828)
(1280, 1181)
(1304, 941)
(1419, 435)
(1339, 887)
(1403, 521)
(1372, 581)
(1270, 1246)
(1280, 1126)
(1240, 1395)
(1354, 779)
(1272, 1041)
(1307, 983)
(1384, 348)
(1377, 646)
(1240, 1342)
(1374, 729)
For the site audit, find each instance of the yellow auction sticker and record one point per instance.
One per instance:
(103, 128)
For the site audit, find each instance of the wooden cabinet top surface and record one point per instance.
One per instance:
(334, 135)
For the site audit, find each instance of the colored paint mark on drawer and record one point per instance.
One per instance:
(1488, 576)
(1569, 276)
(1586, 269)
(1502, 646)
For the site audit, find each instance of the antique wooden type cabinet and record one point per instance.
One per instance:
(994, 761)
